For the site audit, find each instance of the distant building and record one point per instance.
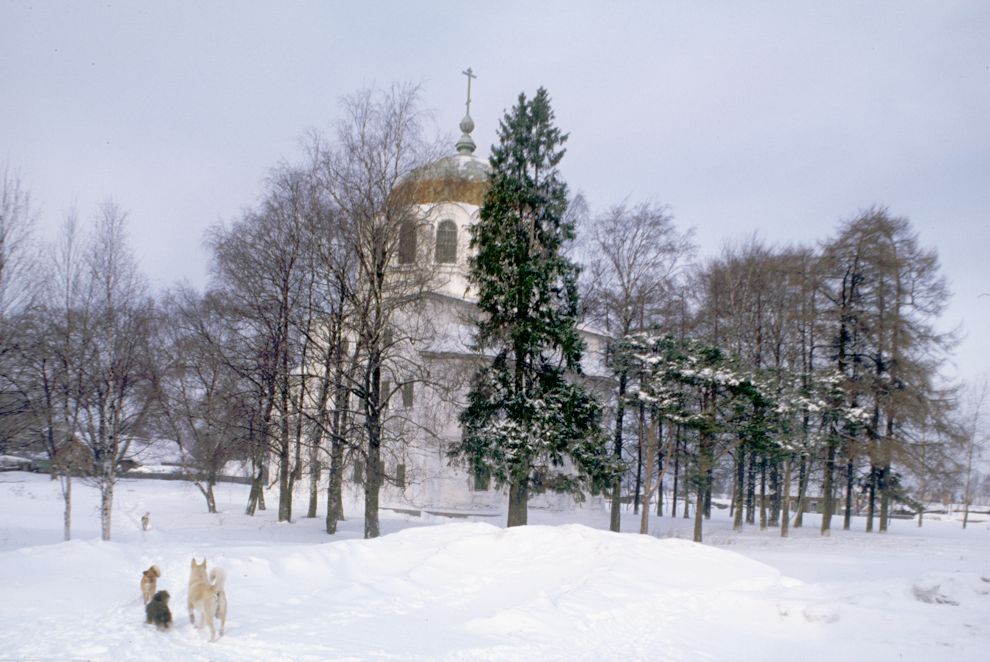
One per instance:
(74, 458)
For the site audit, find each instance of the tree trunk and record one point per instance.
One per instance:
(260, 452)
(737, 516)
(314, 482)
(732, 499)
(284, 488)
(687, 492)
(785, 505)
(106, 503)
(518, 502)
(373, 470)
(677, 461)
(850, 485)
(884, 479)
(698, 513)
(827, 486)
(296, 471)
(211, 501)
(775, 492)
(651, 452)
(708, 494)
(639, 461)
(338, 423)
(751, 489)
(252, 502)
(763, 494)
(615, 514)
(257, 490)
(661, 470)
(705, 463)
(372, 485)
(67, 497)
(299, 406)
(285, 438)
(802, 489)
(335, 488)
(872, 503)
(284, 448)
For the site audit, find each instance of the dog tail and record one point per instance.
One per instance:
(217, 578)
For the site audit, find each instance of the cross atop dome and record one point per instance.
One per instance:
(466, 145)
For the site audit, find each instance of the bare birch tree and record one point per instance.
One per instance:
(257, 268)
(636, 255)
(378, 145)
(58, 358)
(120, 376)
(17, 289)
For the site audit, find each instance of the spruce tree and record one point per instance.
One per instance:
(526, 410)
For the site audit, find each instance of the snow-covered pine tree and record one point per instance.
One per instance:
(526, 411)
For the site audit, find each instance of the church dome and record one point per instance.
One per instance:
(455, 178)
(461, 177)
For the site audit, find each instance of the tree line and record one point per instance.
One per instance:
(770, 374)
(765, 369)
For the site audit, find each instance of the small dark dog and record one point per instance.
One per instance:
(158, 612)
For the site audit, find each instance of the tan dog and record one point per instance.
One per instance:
(149, 581)
(206, 595)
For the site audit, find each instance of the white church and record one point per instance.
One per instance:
(423, 409)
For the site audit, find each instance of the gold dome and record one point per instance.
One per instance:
(455, 178)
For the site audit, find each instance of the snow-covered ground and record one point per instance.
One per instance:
(436, 589)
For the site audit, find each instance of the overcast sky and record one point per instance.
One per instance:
(775, 118)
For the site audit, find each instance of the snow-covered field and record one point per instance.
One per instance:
(436, 589)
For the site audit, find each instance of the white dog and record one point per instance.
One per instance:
(206, 595)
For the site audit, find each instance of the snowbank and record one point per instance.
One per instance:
(465, 591)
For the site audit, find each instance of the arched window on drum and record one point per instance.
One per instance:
(407, 243)
(446, 252)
